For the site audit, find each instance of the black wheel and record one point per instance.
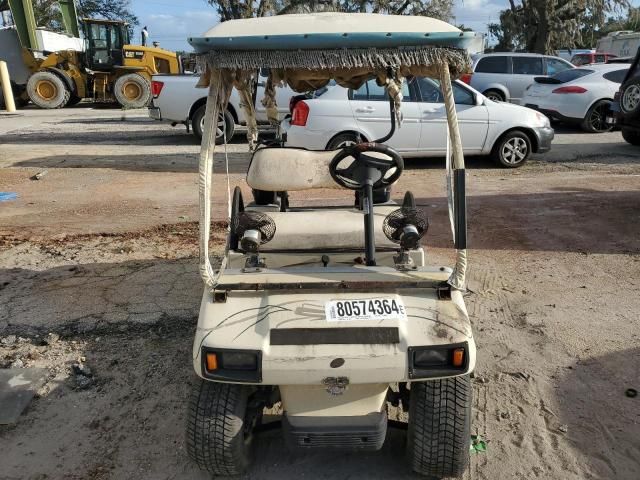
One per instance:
(630, 97)
(227, 123)
(47, 90)
(595, 121)
(495, 95)
(512, 149)
(631, 136)
(440, 426)
(132, 91)
(343, 140)
(218, 439)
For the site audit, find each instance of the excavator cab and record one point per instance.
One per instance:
(105, 41)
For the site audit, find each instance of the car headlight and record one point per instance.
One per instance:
(542, 120)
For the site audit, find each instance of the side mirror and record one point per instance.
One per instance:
(479, 100)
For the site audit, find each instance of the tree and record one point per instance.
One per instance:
(47, 12)
(543, 26)
(232, 9)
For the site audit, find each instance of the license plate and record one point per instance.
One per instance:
(154, 112)
(384, 308)
(611, 120)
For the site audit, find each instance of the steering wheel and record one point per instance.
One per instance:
(366, 168)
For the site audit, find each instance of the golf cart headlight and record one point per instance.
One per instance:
(239, 361)
(233, 365)
(438, 360)
(430, 358)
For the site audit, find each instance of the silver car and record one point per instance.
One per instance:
(505, 76)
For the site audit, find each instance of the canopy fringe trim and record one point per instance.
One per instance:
(337, 59)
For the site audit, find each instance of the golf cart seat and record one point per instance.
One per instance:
(294, 169)
(326, 229)
(290, 169)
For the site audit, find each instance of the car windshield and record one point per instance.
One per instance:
(572, 74)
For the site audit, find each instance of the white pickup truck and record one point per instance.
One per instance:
(177, 100)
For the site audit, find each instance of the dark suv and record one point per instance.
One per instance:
(626, 104)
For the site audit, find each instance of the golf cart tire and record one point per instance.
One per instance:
(216, 429)
(142, 83)
(440, 426)
(196, 124)
(631, 135)
(634, 112)
(60, 96)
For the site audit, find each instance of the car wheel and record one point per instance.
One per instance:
(630, 97)
(512, 149)
(218, 435)
(495, 95)
(631, 136)
(440, 426)
(596, 119)
(227, 123)
(344, 140)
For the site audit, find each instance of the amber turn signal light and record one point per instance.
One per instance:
(458, 357)
(212, 362)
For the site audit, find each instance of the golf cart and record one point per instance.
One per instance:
(331, 311)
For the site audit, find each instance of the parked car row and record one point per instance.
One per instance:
(549, 87)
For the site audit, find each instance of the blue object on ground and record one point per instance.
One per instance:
(6, 196)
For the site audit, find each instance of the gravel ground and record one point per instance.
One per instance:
(99, 285)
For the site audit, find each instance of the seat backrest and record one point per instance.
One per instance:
(277, 169)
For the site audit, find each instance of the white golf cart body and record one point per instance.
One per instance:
(332, 370)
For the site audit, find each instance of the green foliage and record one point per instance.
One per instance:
(231, 9)
(544, 26)
(48, 14)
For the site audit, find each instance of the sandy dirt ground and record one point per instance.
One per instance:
(99, 285)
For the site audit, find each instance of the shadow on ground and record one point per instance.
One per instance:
(567, 220)
(166, 162)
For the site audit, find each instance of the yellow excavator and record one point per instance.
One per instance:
(108, 68)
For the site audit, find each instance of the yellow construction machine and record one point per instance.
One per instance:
(107, 68)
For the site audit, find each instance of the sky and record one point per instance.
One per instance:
(170, 22)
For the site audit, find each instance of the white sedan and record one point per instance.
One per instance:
(580, 96)
(339, 116)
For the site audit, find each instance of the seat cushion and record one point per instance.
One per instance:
(290, 169)
(326, 229)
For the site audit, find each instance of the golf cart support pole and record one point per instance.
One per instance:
(206, 167)
(457, 279)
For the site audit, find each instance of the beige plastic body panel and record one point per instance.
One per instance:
(245, 319)
(315, 401)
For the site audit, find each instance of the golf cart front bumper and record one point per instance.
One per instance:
(289, 339)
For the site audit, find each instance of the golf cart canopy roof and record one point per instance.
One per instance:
(308, 50)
